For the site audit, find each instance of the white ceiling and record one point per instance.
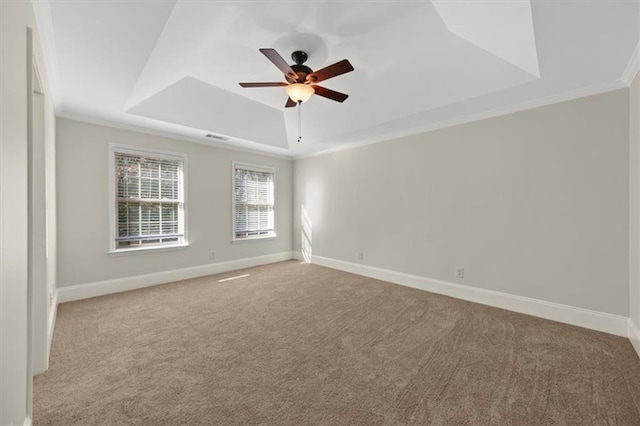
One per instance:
(173, 67)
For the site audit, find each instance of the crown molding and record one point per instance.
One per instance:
(608, 86)
(166, 134)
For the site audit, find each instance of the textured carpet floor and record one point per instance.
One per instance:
(298, 344)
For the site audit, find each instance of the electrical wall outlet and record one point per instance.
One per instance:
(360, 255)
(459, 272)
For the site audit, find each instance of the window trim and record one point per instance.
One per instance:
(257, 168)
(112, 204)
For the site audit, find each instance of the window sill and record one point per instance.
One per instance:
(147, 250)
(250, 239)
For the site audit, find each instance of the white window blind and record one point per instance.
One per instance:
(253, 202)
(148, 200)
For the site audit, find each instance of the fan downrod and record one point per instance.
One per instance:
(299, 57)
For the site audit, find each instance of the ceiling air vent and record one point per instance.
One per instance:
(216, 137)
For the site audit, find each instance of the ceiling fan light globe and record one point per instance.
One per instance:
(299, 92)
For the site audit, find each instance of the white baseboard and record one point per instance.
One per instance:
(634, 336)
(600, 321)
(27, 422)
(298, 256)
(101, 288)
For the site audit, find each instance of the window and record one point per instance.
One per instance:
(253, 202)
(148, 199)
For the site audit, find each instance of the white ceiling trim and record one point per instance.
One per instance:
(164, 134)
(483, 115)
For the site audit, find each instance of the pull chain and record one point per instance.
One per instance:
(299, 121)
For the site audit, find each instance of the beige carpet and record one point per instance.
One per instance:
(298, 344)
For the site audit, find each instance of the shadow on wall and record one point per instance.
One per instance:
(306, 233)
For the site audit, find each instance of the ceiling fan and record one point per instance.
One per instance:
(301, 80)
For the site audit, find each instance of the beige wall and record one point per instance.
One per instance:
(22, 217)
(13, 213)
(83, 239)
(634, 211)
(532, 204)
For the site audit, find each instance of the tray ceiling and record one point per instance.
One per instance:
(173, 67)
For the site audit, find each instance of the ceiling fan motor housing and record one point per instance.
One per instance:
(302, 71)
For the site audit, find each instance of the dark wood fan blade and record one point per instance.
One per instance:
(263, 84)
(330, 94)
(336, 69)
(279, 62)
(290, 103)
